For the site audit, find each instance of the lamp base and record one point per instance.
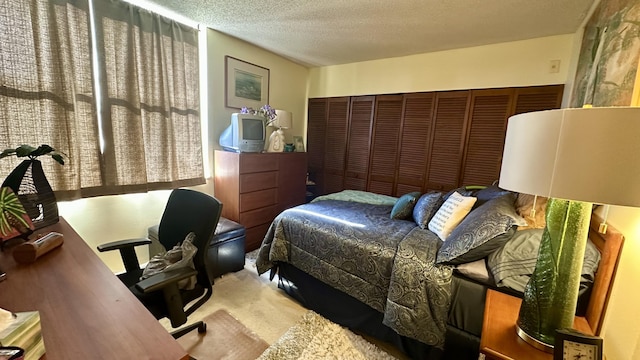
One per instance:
(533, 341)
(550, 297)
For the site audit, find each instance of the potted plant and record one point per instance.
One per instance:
(30, 184)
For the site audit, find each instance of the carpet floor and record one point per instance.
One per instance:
(315, 337)
(258, 304)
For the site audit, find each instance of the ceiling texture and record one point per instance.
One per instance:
(331, 32)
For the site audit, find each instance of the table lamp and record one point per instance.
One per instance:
(574, 157)
(276, 140)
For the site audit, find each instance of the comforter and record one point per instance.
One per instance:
(356, 248)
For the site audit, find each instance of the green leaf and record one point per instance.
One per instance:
(7, 152)
(24, 150)
(58, 158)
(32, 152)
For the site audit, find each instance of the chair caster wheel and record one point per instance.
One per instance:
(202, 328)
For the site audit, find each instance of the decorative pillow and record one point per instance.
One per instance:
(450, 214)
(485, 229)
(403, 208)
(426, 207)
(489, 193)
(524, 204)
(514, 262)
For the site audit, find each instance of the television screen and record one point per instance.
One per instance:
(252, 129)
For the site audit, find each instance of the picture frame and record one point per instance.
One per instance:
(246, 84)
(298, 143)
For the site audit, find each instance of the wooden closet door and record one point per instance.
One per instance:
(415, 133)
(447, 142)
(316, 137)
(537, 98)
(335, 144)
(485, 137)
(384, 147)
(360, 122)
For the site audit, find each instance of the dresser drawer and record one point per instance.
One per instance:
(258, 181)
(258, 199)
(252, 163)
(259, 216)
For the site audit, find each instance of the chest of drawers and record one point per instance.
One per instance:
(255, 187)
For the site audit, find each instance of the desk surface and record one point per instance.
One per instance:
(499, 338)
(85, 311)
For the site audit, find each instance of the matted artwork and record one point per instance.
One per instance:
(246, 84)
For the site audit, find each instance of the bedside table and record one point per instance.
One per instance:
(499, 339)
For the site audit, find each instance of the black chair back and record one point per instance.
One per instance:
(191, 211)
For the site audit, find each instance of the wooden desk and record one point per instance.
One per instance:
(85, 311)
(499, 339)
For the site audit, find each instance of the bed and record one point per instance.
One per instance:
(364, 261)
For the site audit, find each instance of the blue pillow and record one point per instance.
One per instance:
(484, 230)
(403, 207)
(426, 207)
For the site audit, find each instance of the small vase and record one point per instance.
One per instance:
(30, 184)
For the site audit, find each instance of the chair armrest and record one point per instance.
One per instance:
(121, 244)
(165, 278)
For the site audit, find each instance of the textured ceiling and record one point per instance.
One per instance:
(329, 32)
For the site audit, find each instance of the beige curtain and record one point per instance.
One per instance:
(46, 91)
(150, 85)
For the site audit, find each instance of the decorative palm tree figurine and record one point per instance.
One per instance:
(30, 185)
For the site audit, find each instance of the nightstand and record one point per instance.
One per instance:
(499, 339)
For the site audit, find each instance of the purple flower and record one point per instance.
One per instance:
(266, 111)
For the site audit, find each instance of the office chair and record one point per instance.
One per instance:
(186, 211)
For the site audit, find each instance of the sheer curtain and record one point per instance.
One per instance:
(46, 89)
(150, 84)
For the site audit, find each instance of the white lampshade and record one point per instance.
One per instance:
(586, 154)
(283, 119)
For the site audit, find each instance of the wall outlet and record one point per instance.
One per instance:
(554, 66)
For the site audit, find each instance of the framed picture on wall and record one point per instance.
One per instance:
(246, 84)
(297, 142)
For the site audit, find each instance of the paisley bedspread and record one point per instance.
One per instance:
(356, 248)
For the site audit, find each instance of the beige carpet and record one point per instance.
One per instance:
(258, 304)
(226, 339)
(315, 337)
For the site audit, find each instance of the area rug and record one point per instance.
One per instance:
(315, 337)
(226, 339)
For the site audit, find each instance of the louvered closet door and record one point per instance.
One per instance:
(414, 142)
(447, 139)
(360, 121)
(316, 137)
(537, 98)
(384, 147)
(335, 144)
(485, 137)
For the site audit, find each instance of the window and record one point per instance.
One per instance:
(133, 125)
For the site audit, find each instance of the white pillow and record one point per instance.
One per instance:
(451, 214)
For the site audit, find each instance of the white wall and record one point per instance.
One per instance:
(519, 63)
(287, 89)
(621, 330)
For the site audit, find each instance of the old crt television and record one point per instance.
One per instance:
(245, 134)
